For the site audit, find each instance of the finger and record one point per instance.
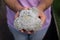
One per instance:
(17, 14)
(43, 17)
(22, 31)
(26, 8)
(29, 32)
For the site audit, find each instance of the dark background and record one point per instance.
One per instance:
(56, 12)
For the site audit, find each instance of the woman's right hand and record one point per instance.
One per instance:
(23, 30)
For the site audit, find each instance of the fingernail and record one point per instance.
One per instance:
(22, 31)
(29, 32)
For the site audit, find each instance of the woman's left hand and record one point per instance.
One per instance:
(42, 16)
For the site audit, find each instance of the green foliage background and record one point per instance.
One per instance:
(56, 9)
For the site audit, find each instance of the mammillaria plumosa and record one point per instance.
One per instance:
(28, 20)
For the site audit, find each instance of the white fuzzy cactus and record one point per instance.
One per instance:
(28, 20)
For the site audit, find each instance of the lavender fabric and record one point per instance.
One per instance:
(28, 3)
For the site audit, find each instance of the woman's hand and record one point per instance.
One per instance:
(23, 30)
(17, 13)
(42, 16)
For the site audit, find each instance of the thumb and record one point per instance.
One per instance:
(42, 17)
(26, 8)
(17, 14)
